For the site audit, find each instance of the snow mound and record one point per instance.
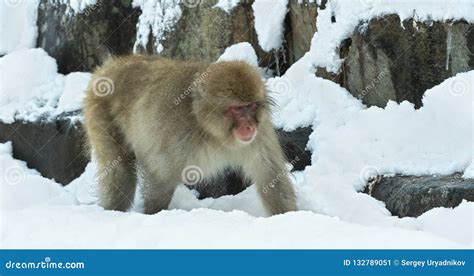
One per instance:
(240, 51)
(23, 188)
(78, 6)
(269, 17)
(17, 25)
(227, 5)
(32, 88)
(75, 84)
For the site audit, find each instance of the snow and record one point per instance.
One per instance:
(227, 5)
(202, 229)
(469, 172)
(31, 87)
(23, 187)
(452, 219)
(17, 25)
(79, 5)
(348, 16)
(269, 18)
(241, 51)
(62, 220)
(75, 85)
(158, 17)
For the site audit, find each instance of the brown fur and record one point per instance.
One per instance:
(166, 115)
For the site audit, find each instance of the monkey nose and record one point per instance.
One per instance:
(245, 132)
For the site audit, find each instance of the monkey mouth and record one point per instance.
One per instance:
(245, 134)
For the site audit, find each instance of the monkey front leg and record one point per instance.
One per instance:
(274, 186)
(157, 193)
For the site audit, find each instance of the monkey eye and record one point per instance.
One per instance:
(234, 110)
(254, 106)
(238, 110)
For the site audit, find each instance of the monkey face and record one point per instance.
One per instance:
(230, 102)
(244, 118)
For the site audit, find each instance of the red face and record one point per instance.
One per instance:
(245, 123)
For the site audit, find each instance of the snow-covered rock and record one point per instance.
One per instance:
(32, 89)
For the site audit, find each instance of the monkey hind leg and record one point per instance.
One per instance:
(115, 162)
(117, 182)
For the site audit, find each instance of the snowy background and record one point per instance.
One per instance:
(351, 143)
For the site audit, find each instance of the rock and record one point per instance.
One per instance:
(294, 146)
(80, 42)
(387, 61)
(53, 147)
(204, 32)
(413, 195)
(302, 18)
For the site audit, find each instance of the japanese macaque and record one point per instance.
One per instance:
(181, 122)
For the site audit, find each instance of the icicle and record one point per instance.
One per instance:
(449, 38)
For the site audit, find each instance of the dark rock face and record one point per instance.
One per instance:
(80, 42)
(388, 62)
(302, 20)
(413, 195)
(294, 146)
(54, 148)
(204, 32)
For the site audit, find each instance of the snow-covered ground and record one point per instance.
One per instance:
(39, 213)
(350, 144)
